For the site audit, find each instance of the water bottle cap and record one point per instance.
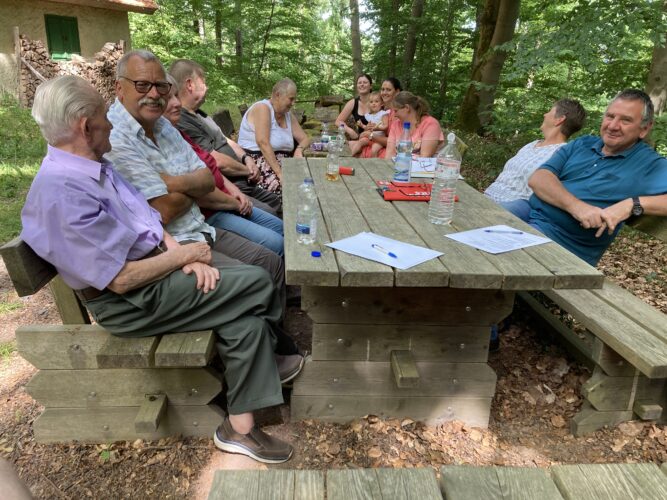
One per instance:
(406, 125)
(451, 138)
(315, 253)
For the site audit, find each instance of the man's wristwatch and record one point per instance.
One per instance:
(243, 158)
(637, 208)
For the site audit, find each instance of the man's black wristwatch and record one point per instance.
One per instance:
(637, 208)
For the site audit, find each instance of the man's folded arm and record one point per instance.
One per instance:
(194, 184)
(171, 205)
(229, 166)
(217, 200)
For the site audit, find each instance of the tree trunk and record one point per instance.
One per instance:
(266, 38)
(411, 41)
(453, 7)
(656, 86)
(393, 45)
(357, 63)
(218, 35)
(238, 36)
(496, 27)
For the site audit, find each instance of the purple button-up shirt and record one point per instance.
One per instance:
(87, 220)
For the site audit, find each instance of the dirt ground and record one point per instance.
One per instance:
(537, 394)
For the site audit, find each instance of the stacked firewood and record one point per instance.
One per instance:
(37, 66)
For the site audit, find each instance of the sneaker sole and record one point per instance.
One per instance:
(293, 375)
(238, 449)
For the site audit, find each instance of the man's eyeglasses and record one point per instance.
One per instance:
(144, 87)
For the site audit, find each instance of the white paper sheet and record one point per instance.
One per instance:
(422, 167)
(362, 245)
(498, 239)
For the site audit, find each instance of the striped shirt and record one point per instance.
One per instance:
(141, 161)
(512, 183)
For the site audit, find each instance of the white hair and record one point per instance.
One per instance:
(283, 86)
(60, 103)
(144, 55)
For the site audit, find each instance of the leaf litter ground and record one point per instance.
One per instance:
(537, 395)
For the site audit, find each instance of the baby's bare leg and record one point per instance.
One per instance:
(375, 149)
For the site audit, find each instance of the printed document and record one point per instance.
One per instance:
(498, 239)
(394, 253)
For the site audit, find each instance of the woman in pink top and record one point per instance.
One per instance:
(425, 131)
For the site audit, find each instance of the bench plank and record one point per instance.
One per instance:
(123, 387)
(192, 349)
(408, 484)
(104, 425)
(630, 339)
(308, 485)
(27, 270)
(610, 481)
(276, 484)
(354, 484)
(61, 346)
(589, 419)
(122, 352)
(526, 483)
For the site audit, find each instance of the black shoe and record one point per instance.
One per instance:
(257, 444)
(289, 366)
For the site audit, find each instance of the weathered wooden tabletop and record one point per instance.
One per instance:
(352, 205)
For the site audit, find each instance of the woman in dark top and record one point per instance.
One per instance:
(356, 107)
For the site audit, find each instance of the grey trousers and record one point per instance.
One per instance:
(242, 310)
(231, 249)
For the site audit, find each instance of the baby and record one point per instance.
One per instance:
(377, 124)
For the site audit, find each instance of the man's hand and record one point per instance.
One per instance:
(245, 207)
(254, 176)
(196, 252)
(614, 215)
(207, 276)
(589, 216)
(171, 181)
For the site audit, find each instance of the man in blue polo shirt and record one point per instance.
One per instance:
(585, 191)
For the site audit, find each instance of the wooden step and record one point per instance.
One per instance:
(264, 484)
(610, 481)
(358, 484)
(463, 482)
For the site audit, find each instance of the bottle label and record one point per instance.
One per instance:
(302, 229)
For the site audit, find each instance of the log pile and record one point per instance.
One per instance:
(37, 66)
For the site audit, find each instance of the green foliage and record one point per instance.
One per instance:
(21, 152)
(6, 349)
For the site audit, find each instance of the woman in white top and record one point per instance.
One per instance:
(269, 132)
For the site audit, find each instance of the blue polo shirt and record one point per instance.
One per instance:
(598, 180)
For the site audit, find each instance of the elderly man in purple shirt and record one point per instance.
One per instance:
(109, 245)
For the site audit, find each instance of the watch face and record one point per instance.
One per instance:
(637, 209)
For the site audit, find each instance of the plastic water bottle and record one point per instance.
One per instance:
(403, 156)
(333, 159)
(306, 213)
(441, 206)
(340, 138)
(325, 134)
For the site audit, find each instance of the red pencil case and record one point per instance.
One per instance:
(404, 191)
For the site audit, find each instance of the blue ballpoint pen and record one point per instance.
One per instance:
(384, 251)
(502, 231)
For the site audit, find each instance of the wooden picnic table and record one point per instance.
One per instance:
(406, 343)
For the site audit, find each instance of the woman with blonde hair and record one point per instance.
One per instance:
(425, 131)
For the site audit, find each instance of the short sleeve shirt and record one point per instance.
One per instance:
(512, 183)
(428, 129)
(86, 219)
(599, 180)
(141, 161)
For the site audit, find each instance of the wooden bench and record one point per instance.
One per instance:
(99, 388)
(625, 344)
(457, 482)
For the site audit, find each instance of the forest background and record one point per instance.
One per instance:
(488, 67)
